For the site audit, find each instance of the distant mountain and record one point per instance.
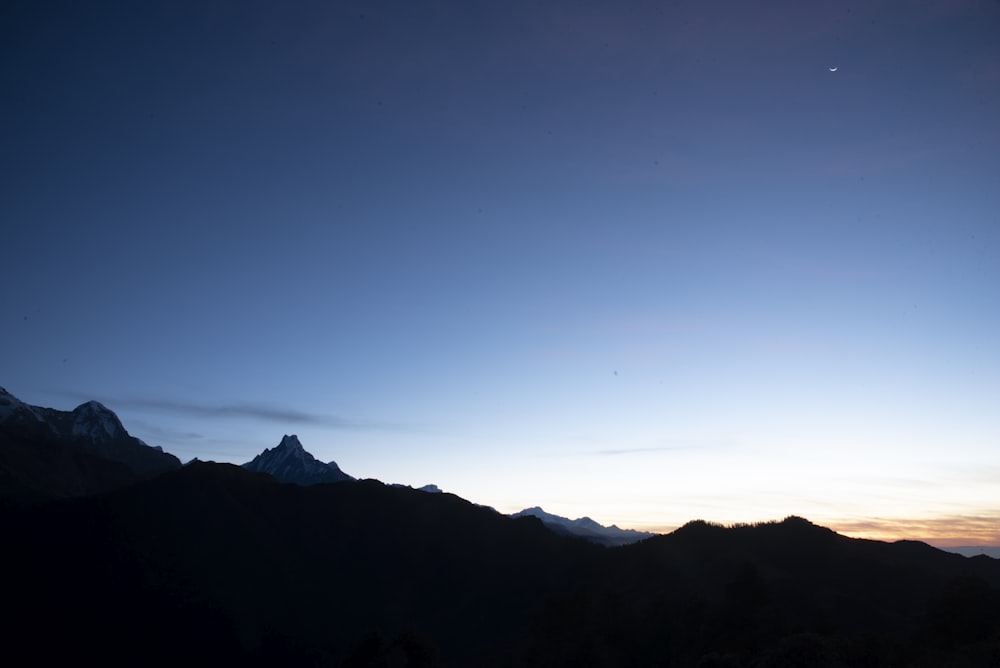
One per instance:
(584, 527)
(992, 551)
(431, 489)
(289, 462)
(48, 453)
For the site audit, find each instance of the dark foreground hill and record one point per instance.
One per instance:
(212, 564)
(226, 565)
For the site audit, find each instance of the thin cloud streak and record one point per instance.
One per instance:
(640, 451)
(954, 531)
(160, 433)
(941, 532)
(264, 413)
(238, 410)
(249, 410)
(682, 446)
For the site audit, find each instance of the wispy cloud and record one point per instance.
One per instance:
(943, 532)
(957, 530)
(641, 451)
(262, 412)
(239, 409)
(158, 432)
(678, 446)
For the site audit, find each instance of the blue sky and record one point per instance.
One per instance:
(647, 262)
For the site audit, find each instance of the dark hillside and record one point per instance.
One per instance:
(739, 595)
(147, 570)
(215, 564)
(42, 468)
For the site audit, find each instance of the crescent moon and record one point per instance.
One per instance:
(834, 69)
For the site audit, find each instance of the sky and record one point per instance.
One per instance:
(646, 262)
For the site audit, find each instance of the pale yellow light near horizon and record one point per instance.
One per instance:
(887, 498)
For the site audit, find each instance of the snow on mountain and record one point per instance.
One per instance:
(289, 462)
(586, 528)
(12, 408)
(8, 403)
(90, 429)
(96, 423)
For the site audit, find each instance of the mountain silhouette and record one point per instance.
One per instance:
(226, 565)
(212, 546)
(116, 553)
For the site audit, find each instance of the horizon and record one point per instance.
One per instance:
(642, 263)
(872, 528)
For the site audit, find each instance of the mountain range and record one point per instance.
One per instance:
(218, 564)
(586, 528)
(290, 462)
(47, 453)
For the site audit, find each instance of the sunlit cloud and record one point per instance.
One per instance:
(953, 531)
(942, 532)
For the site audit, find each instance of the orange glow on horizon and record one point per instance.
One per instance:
(943, 532)
(981, 530)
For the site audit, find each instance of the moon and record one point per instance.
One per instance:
(834, 69)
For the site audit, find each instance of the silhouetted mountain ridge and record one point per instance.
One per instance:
(318, 564)
(212, 560)
(218, 564)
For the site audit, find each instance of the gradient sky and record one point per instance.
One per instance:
(642, 261)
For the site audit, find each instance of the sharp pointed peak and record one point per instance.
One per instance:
(290, 462)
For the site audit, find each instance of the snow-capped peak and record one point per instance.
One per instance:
(584, 527)
(96, 423)
(91, 428)
(290, 462)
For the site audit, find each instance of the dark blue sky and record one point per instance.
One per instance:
(643, 261)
